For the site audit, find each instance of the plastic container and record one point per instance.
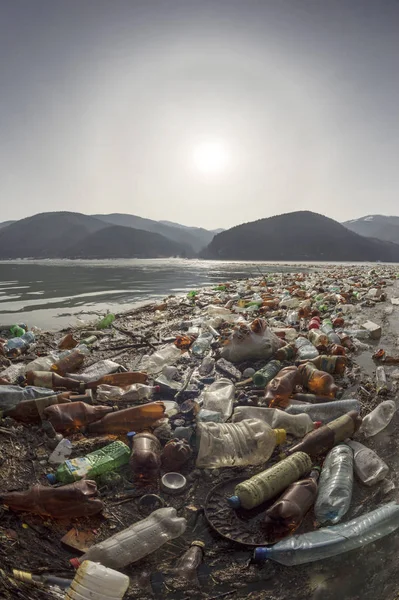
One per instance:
(250, 442)
(94, 581)
(330, 364)
(317, 381)
(202, 344)
(96, 371)
(175, 454)
(378, 419)
(52, 381)
(381, 380)
(106, 321)
(42, 363)
(136, 418)
(305, 349)
(331, 541)
(296, 425)
(368, 466)
(165, 356)
(74, 416)
(137, 392)
(318, 338)
(325, 412)
(146, 457)
(187, 565)
(262, 377)
(280, 388)
(138, 540)
(335, 485)
(31, 411)
(69, 362)
(118, 379)
(219, 397)
(269, 483)
(107, 459)
(12, 395)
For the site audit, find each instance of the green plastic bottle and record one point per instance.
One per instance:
(17, 331)
(262, 377)
(106, 321)
(96, 463)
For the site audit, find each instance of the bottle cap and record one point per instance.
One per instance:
(198, 543)
(234, 502)
(281, 436)
(75, 563)
(130, 437)
(51, 478)
(261, 553)
(157, 389)
(317, 424)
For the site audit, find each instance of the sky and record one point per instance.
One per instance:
(204, 112)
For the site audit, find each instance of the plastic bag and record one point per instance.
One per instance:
(251, 342)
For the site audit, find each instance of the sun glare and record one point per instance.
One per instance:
(210, 156)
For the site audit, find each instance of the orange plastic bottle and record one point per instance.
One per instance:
(31, 411)
(279, 389)
(136, 418)
(75, 415)
(145, 460)
(53, 381)
(316, 381)
(119, 379)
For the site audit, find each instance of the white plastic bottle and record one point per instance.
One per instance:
(93, 581)
(325, 411)
(165, 356)
(219, 397)
(369, 467)
(296, 425)
(138, 540)
(305, 349)
(378, 419)
(335, 485)
(250, 442)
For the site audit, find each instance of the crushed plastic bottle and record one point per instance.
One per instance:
(296, 425)
(219, 397)
(305, 349)
(165, 356)
(325, 412)
(335, 485)
(368, 466)
(378, 419)
(94, 581)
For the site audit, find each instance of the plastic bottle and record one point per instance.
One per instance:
(17, 331)
(74, 416)
(138, 540)
(317, 381)
(335, 485)
(118, 379)
(318, 338)
(31, 411)
(249, 442)
(296, 425)
(106, 321)
(69, 362)
(202, 344)
(155, 363)
(52, 381)
(96, 463)
(336, 350)
(135, 418)
(145, 460)
(219, 397)
(96, 371)
(207, 366)
(188, 564)
(378, 419)
(305, 349)
(328, 329)
(314, 323)
(67, 342)
(287, 352)
(175, 454)
(280, 388)
(262, 377)
(92, 580)
(330, 364)
(305, 308)
(331, 541)
(322, 440)
(269, 483)
(288, 512)
(12, 395)
(312, 398)
(137, 392)
(68, 501)
(325, 412)
(381, 380)
(42, 363)
(368, 466)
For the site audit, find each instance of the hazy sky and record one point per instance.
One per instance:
(205, 112)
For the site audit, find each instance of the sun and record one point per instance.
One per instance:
(211, 156)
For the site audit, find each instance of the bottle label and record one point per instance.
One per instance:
(78, 466)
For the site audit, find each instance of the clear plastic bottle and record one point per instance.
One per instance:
(378, 419)
(138, 540)
(42, 363)
(93, 580)
(165, 356)
(381, 380)
(368, 466)
(202, 344)
(296, 425)
(219, 397)
(305, 349)
(249, 442)
(269, 483)
(137, 392)
(12, 395)
(325, 412)
(145, 460)
(335, 485)
(96, 371)
(188, 564)
(331, 541)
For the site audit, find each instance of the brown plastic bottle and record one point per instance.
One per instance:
(67, 342)
(336, 350)
(322, 440)
(330, 364)
(119, 379)
(311, 398)
(175, 454)
(316, 381)
(280, 388)
(136, 418)
(53, 381)
(31, 411)
(69, 363)
(287, 352)
(145, 460)
(75, 415)
(288, 512)
(66, 502)
(187, 565)
(346, 341)
(304, 309)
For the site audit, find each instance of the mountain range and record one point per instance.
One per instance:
(299, 236)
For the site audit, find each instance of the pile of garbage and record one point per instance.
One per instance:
(137, 449)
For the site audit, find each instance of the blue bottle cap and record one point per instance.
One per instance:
(130, 437)
(261, 553)
(234, 502)
(51, 478)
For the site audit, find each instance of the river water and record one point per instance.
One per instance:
(52, 294)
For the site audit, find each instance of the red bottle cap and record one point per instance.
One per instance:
(75, 563)
(318, 424)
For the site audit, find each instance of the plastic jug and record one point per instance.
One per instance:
(138, 540)
(219, 397)
(250, 442)
(96, 582)
(135, 418)
(296, 425)
(368, 466)
(335, 485)
(378, 419)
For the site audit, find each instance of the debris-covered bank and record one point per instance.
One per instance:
(184, 401)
